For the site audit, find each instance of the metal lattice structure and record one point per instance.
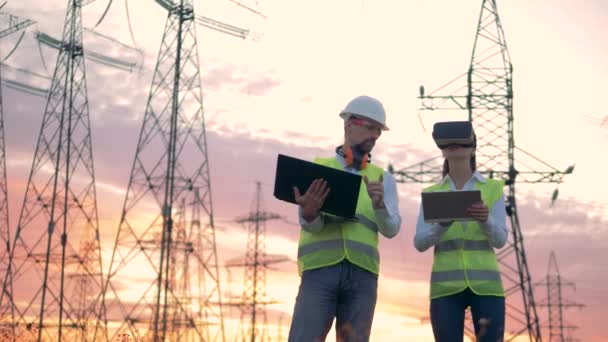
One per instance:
(555, 303)
(182, 311)
(280, 329)
(55, 259)
(485, 92)
(170, 166)
(14, 24)
(254, 300)
(4, 213)
(39, 88)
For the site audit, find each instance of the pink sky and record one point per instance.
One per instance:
(282, 95)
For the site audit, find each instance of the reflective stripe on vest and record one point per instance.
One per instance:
(482, 275)
(467, 245)
(355, 240)
(371, 225)
(338, 244)
(463, 258)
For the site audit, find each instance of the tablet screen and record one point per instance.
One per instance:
(443, 206)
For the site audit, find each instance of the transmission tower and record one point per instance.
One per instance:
(170, 166)
(14, 24)
(254, 299)
(57, 269)
(280, 337)
(485, 92)
(556, 304)
(4, 213)
(179, 277)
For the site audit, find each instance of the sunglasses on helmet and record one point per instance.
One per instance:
(358, 121)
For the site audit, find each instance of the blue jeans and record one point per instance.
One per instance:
(447, 317)
(342, 291)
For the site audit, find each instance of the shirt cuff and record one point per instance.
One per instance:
(316, 221)
(386, 223)
(487, 226)
(313, 226)
(438, 230)
(382, 214)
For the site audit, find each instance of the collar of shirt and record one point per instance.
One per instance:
(343, 163)
(469, 184)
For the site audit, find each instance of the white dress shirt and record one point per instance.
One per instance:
(388, 218)
(428, 234)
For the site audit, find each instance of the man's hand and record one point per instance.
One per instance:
(375, 190)
(312, 201)
(479, 212)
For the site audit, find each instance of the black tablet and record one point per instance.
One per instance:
(344, 186)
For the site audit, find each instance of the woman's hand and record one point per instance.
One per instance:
(479, 212)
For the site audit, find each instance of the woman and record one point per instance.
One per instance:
(465, 269)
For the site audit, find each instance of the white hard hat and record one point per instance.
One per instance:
(367, 107)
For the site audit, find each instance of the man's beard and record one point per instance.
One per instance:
(365, 146)
(360, 152)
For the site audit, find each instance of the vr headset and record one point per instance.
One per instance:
(459, 133)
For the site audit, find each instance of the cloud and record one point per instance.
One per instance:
(260, 86)
(568, 217)
(219, 76)
(300, 136)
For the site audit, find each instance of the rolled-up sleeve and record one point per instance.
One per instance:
(313, 226)
(496, 226)
(388, 218)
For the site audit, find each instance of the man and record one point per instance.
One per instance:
(338, 260)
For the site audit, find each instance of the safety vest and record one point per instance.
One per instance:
(355, 241)
(463, 256)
